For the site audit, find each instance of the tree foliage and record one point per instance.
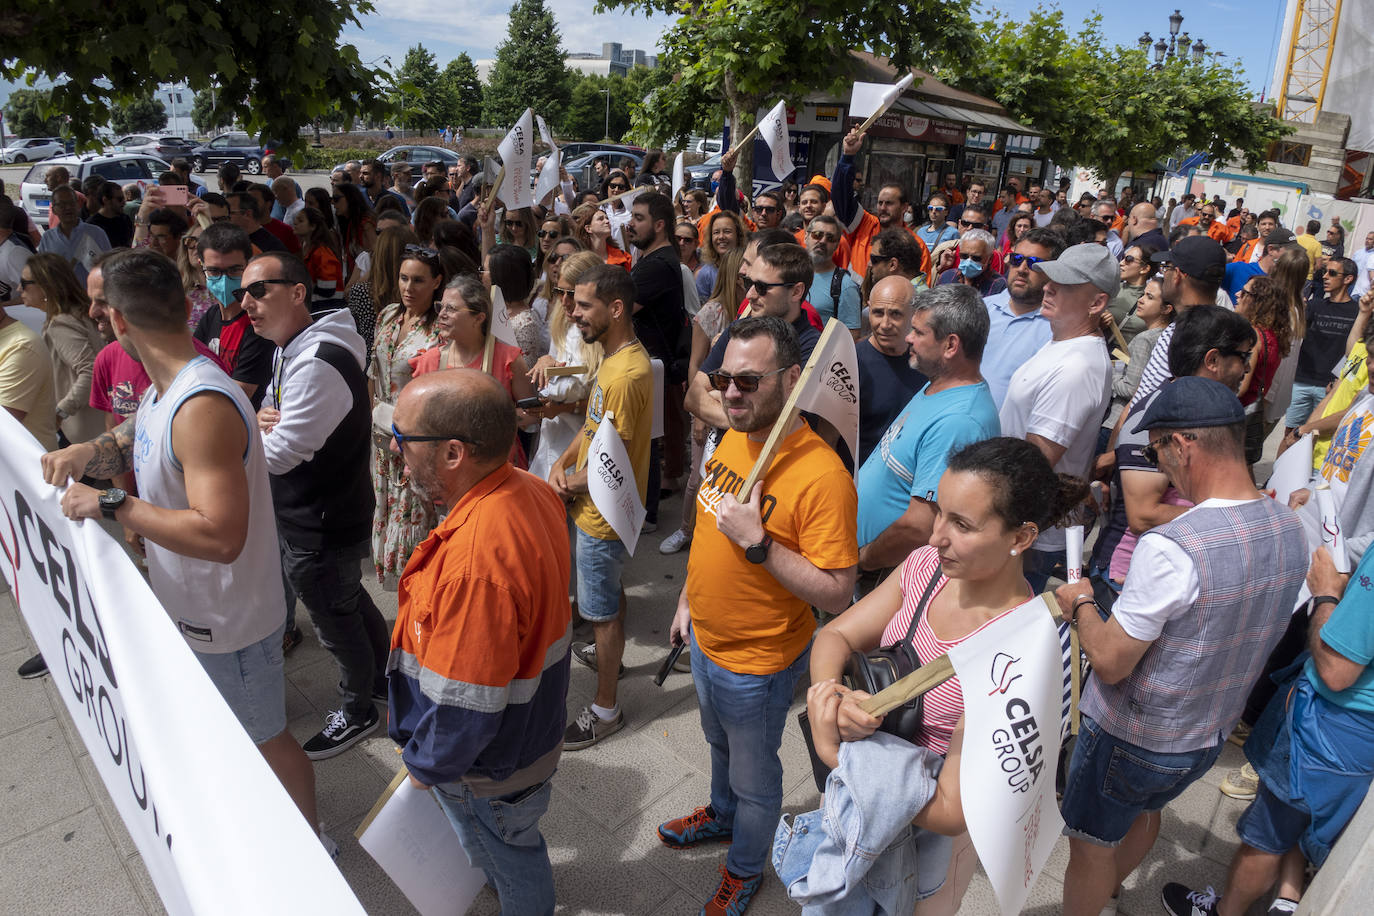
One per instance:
(29, 113)
(751, 52)
(139, 116)
(206, 115)
(1106, 107)
(528, 71)
(462, 81)
(423, 98)
(273, 73)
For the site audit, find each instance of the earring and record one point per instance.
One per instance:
(1014, 551)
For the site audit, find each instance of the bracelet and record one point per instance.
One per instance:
(1082, 600)
(1324, 599)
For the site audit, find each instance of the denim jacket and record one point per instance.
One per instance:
(859, 853)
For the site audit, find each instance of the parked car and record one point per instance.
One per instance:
(164, 147)
(575, 150)
(580, 168)
(33, 149)
(238, 148)
(415, 157)
(699, 176)
(123, 168)
(708, 146)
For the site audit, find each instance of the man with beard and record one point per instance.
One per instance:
(624, 389)
(898, 481)
(860, 226)
(1018, 329)
(752, 578)
(886, 376)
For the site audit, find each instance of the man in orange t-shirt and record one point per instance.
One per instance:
(860, 226)
(759, 561)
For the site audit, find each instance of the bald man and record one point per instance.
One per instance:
(1142, 227)
(886, 376)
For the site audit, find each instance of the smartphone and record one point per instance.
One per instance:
(667, 665)
(529, 403)
(173, 195)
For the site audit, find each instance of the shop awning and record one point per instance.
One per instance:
(981, 120)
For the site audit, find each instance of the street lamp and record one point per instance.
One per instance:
(1161, 47)
(1145, 42)
(1178, 46)
(1199, 49)
(1175, 22)
(607, 94)
(1184, 43)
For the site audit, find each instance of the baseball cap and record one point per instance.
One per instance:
(1197, 256)
(1085, 263)
(1192, 402)
(1280, 236)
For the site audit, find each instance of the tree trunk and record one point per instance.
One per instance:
(744, 114)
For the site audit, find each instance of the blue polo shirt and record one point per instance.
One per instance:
(1012, 340)
(826, 307)
(911, 456)
(1350, 631)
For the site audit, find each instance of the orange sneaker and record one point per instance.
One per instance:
(733, 896)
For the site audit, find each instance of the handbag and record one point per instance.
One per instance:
(1256, 429)
(870, 672)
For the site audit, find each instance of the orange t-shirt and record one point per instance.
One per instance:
(742, 617)
(861, 244)
(617, 256)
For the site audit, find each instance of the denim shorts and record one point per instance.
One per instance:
(1112, 782)
(253, 683)
(1271, 824)
(599, 565)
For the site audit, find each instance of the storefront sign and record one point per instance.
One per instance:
(913, 127)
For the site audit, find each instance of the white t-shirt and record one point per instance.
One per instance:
(1042, 219)
(1363, 263)
(13, 257)
(1162, 582)
(1062, 394)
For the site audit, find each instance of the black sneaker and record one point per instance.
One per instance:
(585, 652)
(381, 689)
(34, 667)
(1180, 901)
(339, 734)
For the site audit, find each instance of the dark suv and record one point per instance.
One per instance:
(237, 148)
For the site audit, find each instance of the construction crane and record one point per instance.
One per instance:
(1306, 54)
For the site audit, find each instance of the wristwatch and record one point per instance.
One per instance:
(757, 553)
(111, 500)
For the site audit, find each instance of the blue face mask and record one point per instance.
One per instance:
(970, 268)
(222, 288)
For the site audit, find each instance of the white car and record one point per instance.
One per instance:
(122, 168)
(32, 150)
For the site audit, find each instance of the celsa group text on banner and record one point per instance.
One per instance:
(216, 830)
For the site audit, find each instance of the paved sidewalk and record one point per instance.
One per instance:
(65, 851)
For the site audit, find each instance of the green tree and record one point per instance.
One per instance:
(206, 115)
(29, 113)
(585, 117)
(461, 77)
(272, 78)
(751, 52)
(422, 97)
(529, 71)
(1106, 107)
(139, 116)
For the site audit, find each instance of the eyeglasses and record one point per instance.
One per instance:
(214, 273)
(1244, 292)
(1027, 260)
(1336, 273)
(763, 288)
(1167, 266)
(513, 224)
(965, 224)
(1151, 451)
(765, 209)
(421, 253)
(545, 233)
(563, 292)
(937, 209)
(1132, 259)
(258, 288)
(402, 438)
(1242, 354)
(25, 284)
(617, 186)
(747, 384)
(686, 239)
(455, 309)
(819, 236)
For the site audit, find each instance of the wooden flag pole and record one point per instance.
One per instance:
(488, 352)
(500, 178)
(734, 149)
(789, 413)
(558, 371)
(873, 117)
(1116, 332)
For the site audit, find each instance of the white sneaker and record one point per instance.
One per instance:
(675, 542)
(648, 527)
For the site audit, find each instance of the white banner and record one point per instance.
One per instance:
(215, 828)
(500, 318)
(773, 131)
(866, 98)
(548, 175)
(832, 391)
(618, 212)
(515, 152)
(612, 485)
(1012, 713)
(679, 176)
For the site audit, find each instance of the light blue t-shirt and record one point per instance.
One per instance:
(913, 452)
(1350, 631)
(1012, 340)
(819, 297)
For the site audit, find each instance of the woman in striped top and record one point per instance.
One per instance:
(994, 498)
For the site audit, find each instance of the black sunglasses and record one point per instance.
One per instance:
(421, 253)
(747, 384)
(763, 288)
(1151, 451)
(258, 288)
(765, 209)
(563, 292)
(1029, 260)
(963, 223)
(546, 233)
(617, 186)
(402, 438)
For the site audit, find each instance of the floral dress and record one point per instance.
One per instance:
(402, 517)
(201, 302)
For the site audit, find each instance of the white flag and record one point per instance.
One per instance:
(773, 131)
(619, 218)
(1012, 713)
(548, 175)
(679, 176)
(611, 483)
(832, 389)
(515, 152)
(500, 318)
(867, 98)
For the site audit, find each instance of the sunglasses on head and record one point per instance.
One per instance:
(258, 288)
(420, 252)
(1028, 260)
(747, 384)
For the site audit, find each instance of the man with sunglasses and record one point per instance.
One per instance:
(1207, 598)
(833, 292)
(1331, 312)
(1018, 330)
(974, 265)
(811, 203)
(759, 562)
(860, 226)
(224, 250)
(767, 210)
(316, 425)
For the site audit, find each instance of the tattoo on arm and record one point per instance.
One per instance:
(114, 452)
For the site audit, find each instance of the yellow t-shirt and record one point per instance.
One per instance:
(26, 381)
(743, 618)
(1354, 379)
(1314, 250)
(625, 387)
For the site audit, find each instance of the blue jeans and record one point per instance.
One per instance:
(501, 836)
(1305, 400)
(743, 716)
